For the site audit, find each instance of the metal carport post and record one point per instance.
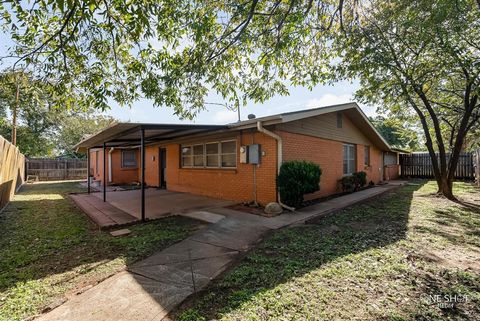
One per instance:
(88, 170)
(142, 164)
(104, 172)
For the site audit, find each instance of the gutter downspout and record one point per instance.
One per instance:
(110, 164)
(279, 157)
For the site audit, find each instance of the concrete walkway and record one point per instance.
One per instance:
(151, 288)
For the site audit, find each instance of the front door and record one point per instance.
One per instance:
(162, 157)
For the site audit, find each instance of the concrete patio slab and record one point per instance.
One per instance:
(160, 202)
(102, 213)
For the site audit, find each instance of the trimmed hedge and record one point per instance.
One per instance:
(297, 178)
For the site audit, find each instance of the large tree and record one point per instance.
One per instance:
(423, 58)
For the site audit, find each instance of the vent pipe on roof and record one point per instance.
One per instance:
(251, 116)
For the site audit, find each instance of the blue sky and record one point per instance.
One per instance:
(299, 98)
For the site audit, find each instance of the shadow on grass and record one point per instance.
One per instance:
(296, 252)
(46, 241)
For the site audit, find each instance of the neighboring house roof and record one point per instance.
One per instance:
(121, 133)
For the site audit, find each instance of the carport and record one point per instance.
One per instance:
(140, 135)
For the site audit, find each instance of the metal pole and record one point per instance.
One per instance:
(142, 164)
(104, 173)
(88, 170)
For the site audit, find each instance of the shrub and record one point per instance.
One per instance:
(348, 184)
(360, 178)
(297, 178)
(353, 182)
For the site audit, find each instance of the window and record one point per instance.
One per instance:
(214, 154)
(198, 155)
(129, 158)
(339, 120)
(187, 156)
(229, 154)
(367, 155)
(349, 159)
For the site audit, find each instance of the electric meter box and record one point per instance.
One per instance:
(243, 155)
(254, 154)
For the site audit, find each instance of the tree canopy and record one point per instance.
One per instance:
(43, 127)
(398, 133)
(413, 58)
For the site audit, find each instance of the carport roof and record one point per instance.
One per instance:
(125, 134)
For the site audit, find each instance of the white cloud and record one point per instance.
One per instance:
(329, 99)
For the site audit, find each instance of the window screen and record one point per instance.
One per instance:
(367, 155)
(349, 159)
(229, 154)
(129, 159)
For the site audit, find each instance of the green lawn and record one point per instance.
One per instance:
(49, 250)
(377, 261)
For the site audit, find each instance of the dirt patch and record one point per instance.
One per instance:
(448, 259)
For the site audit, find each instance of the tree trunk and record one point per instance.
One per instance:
(445, 186)
(14, 114)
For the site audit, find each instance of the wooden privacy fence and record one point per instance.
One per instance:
(12, 170)
(420, 165)
(48, 169)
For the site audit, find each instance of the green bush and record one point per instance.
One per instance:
(360, 178)
(297, 178)
(354, 182)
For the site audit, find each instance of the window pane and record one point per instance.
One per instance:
(212, 160)
(198, 160)
(212, 148)
(345, 167)
(187, 161)
(198, 150)
(351, 166)
(186, 150)
(367, 155)
(229, 160)
(229, 147)
(128, 158)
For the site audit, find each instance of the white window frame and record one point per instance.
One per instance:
(222, 153)
(348, 158)
(219, 159)
(219, 154)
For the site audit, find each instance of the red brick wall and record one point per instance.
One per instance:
(329, 155)
(237, 184)
(233, 184)
(119, 175)
(392, 172)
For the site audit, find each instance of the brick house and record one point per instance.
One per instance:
(240, 161)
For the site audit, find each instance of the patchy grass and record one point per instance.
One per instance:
(50, 250)
(381, 260)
